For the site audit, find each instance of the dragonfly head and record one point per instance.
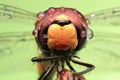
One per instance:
(60, 29)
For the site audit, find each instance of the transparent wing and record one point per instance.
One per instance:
(9, 41)
(104, 47)
(17, 45)
(111, 16)
(16, 51)
(13, 13)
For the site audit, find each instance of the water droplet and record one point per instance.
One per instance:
(63, 9)
(52, 10)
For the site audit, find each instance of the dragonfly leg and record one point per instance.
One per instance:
(89, 67)
(46, 73)
(69, 65)
(51, 58)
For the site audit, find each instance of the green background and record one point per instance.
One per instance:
(102, 52)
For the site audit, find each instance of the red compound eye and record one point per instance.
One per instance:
(48, 17)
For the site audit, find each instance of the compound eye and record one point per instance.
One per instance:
(89, 34)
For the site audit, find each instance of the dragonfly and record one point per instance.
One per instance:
(104, 43)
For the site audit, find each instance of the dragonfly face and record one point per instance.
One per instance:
(60, 30)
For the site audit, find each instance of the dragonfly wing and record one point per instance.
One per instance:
(17, 45)
(111, 16)
(104, 46)
(12, 39)
(16, 51)
(14, 13)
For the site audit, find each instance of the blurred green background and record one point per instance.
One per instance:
(102, 51)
